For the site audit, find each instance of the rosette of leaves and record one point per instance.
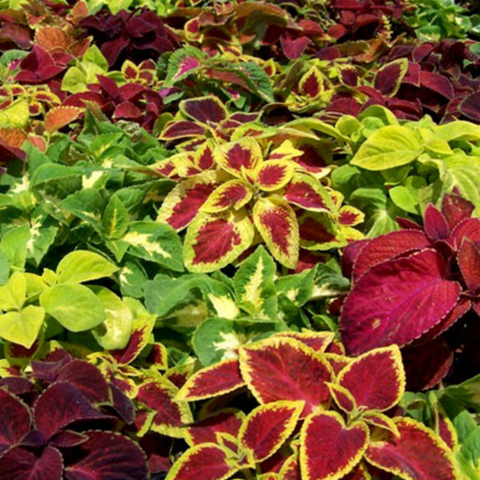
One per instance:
(241, 182)
(135, 36)
(415, 285)
(65, 421)
(322, 415)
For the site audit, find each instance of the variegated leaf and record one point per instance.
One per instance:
(232, 194)
(212, 242)
(240, 158)
(277, 223)
(274, 174)
(308, 193)
(254, 285)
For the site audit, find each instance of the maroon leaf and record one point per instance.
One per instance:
(88, 379)
(436, 226)
(108, 456)
(293, 48)
(438, 83)
(61, 405)
(207, 110)
(397, 301)
(21, 464)
(470, 107)
(15, 420)
(456, 209)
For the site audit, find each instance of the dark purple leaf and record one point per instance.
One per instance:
(21, 464)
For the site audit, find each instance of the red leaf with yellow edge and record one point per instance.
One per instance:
(285, 369)
(181, 129)
(59, 117)
(171, 414)
(343, 398)
(308, 193)
(447, 432)
(311, 84)
(359, 473)
(416, 454)
(317, 341)
(329, 450)
(350, 216)
(291, 469)
(337, 361)
(379, 420)
(142, 327)
(214, 241)
(232, 194)
(183, 203)
(240, 157)
(218, 379)
(274, 174)
(319, 232)
(206, 462)
(277, 223)
(206, 110)
(267, 427)
(205, 430)
(375, 379)
(203, 157)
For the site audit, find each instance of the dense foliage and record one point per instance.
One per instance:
(239, 240)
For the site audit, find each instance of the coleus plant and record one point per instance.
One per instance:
(322, 415)
(225, 185)
(65, 421)
(414, 284)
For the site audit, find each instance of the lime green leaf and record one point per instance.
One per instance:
(22, 327)
(75, 307)
(114, 332)
(388, 147)
(115, 219)
(14, 245)
(82, 266)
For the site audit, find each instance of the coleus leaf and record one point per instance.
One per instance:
(274, 174)
(417, 453)
(469, 262)
(171, 414)
(318, 341)
(240, 158)
(61, 405)
(329, 449)
(389, 78)
(386, 247)
(212, 242)
(379, 420)
(307, 192)
(206, 461)
(59, 117)
(108, 456)
(218, 379)
(182, 204)
(311, 84)
(397, 302)
(343, 398)
(254, 285)
(267, 427)
(88, 379)
(376, 379)
(206, 110)
(285, 369)
(277, 223)
(15, 420)
(181, 129)
(223, 421)
(22, 464)
(231, 194)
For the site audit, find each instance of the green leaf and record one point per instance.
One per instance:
(4, 268)
(54, 182)
(175, 72)
(294, 291)
(87, 204)
(254, 285)
(458, 130)
(463, 172)
(14, 293)
(217, 339)
(75, 307)
(329, 281)
(14, 246)
(115, 219)
(22, 327)
(114, 332)
(74, 81)
(388, 147)
(82, 266)
(155, 242)
(132, 276)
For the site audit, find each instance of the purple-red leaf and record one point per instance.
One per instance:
(108, 456)
(397, 302)
(15, 420)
